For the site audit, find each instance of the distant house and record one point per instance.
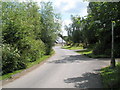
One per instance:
(60, 41)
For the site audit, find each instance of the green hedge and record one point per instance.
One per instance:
(11, 59)
(27, 33)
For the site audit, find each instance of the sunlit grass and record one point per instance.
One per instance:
(87, 51)
(111, 77)
(72, 47)
(9, 75)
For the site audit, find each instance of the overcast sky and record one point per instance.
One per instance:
(67, 8)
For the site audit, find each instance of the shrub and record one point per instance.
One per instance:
(105, 49)
(31, 49)
(98, 49)
(117, 49)
(11, 59)
(28, 51)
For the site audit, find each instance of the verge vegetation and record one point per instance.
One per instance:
(29, 65)
(28, 33)
(72, 47)
(111, 77)
(85, 51)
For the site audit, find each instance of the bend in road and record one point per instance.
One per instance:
(66, 69)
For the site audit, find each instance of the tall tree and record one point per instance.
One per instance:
(49, 25)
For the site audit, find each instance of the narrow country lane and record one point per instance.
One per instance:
(66, 69)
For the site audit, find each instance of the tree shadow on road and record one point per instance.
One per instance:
(87, 80)
(72, 59)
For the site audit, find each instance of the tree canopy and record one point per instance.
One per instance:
(95, 29)
(28, 32)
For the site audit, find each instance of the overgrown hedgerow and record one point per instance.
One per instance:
(28, 33)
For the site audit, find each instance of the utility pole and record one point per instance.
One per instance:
(112, 47)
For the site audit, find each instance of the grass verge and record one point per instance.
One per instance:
(86, 52)
(72, 47)
(111, 77)
(91, 55)
(9, 75)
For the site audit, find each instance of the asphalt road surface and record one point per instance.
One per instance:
(66, 69)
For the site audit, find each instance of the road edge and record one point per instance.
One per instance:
(24, 72)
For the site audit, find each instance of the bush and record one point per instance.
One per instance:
(37, 50)
(105, 49)
(11, 59)
(28, 51)
(99, 49)
(27, 34)
(117, 50)
(31, 49)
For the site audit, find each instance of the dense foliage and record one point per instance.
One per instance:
(28, 33)
(95, 29)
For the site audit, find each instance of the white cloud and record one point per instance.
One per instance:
(67, 22)
(66, 5)
(70, 5)
(83, 12)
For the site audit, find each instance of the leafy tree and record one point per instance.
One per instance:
(28, 33)
(49, 25)
(95, 28)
